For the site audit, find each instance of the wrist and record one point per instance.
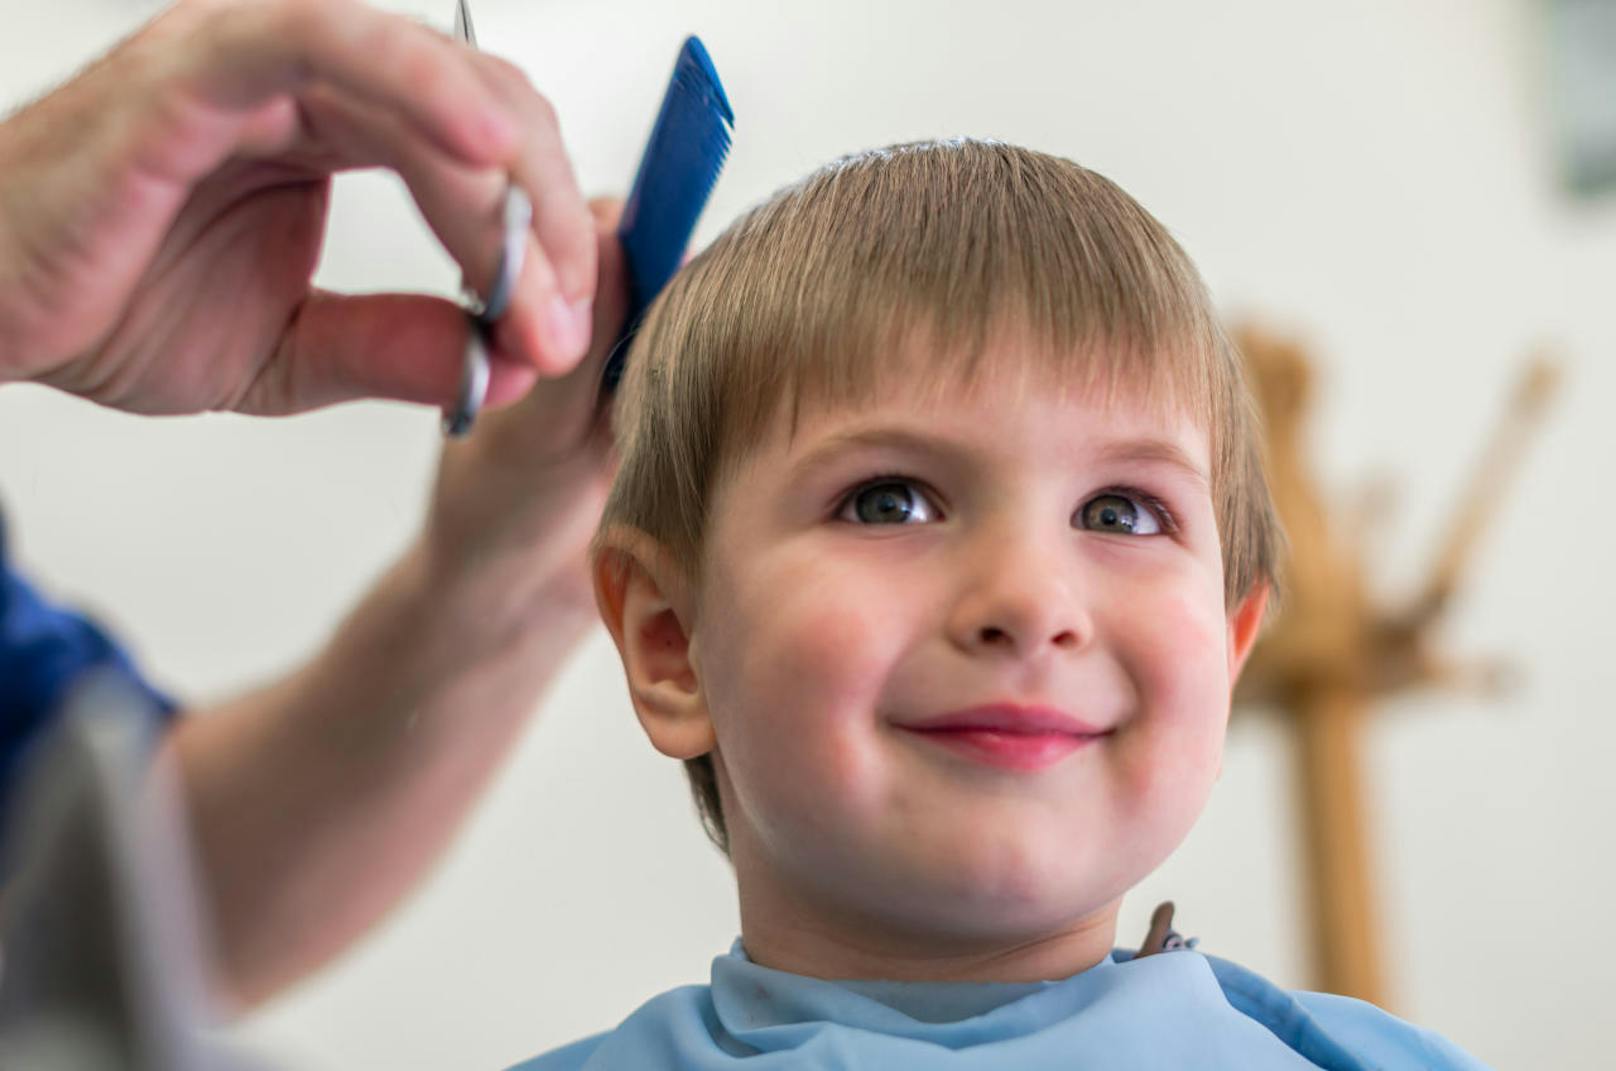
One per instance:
(437, 654)
(508, 537)
(495, 600)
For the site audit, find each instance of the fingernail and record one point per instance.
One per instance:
(568, 325)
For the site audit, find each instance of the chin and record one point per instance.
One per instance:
(1011, 892)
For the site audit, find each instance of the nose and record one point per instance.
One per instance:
(1021, 596)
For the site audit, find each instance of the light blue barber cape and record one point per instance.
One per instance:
(1174, 1010)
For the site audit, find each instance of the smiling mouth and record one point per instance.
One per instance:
(1027, 752)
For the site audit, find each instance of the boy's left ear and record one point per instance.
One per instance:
(1244, 624)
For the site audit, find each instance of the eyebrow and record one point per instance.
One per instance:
(1155, 452)
(833, 447)
(1143, 451)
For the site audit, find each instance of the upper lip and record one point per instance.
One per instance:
(1007, 718)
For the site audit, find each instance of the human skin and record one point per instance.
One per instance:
(162, 214)
(318, 801)
(861, 849)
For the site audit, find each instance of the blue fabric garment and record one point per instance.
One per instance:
(1175, 1010)
(44, 650)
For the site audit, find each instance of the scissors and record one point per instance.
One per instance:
(484, 314)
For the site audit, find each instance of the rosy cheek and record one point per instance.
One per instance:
(809, 680)
(1175, 654)
(1178, 651)
(807, 636)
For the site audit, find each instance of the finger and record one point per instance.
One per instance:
(607, 212)
(460, 202)
(253, 52)
(563, 412)
(610, 312)
(553, 313)
(464, 206)
(340, 348)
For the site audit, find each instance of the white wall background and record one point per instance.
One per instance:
(1375, 175)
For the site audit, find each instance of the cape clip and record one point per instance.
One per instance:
(1162, 937)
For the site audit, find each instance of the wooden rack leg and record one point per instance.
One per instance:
(1345, 926)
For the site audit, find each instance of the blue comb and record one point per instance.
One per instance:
(681, 163)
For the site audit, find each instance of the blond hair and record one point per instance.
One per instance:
(809, 298)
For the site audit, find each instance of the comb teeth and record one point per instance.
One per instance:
(688, 146)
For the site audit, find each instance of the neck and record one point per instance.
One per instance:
(789, 930)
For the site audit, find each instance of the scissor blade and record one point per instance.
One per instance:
(462, 27)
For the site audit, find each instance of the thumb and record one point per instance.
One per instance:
(341, 348)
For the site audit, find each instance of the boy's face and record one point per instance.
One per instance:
(1038, 554)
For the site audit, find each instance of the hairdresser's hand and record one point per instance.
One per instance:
(517, 501)
(395, 727)
(161, 214)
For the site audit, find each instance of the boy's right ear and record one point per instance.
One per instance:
(646, 607)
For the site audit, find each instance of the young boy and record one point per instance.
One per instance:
(939, 539)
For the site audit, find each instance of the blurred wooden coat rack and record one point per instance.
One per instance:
(1332, 652)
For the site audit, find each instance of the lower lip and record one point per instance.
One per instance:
(1010, 751)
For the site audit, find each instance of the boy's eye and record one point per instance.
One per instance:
(897, 500)
(1120, 514)
(887, 501)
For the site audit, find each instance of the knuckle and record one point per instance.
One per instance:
(395, 46)
(298, 20)
(417, 64)
(513, 84)
(539, 110)
(507, 73)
